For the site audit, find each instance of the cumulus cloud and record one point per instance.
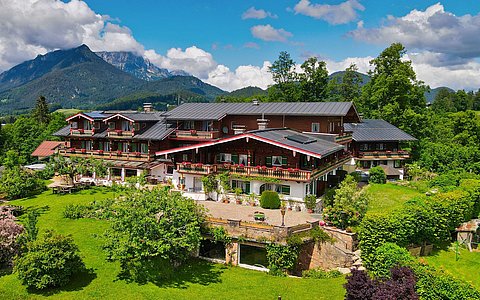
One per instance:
(253, 13)
(270, 34)
(342, 13)
(433, 30)
(243, 76)
(32, 27)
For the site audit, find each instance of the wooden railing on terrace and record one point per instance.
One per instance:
(120, 134)
(384, 154)
(197, 134)
(100, 154)
(81, 132)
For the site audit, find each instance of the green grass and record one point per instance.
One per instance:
(467, 267)
(388, 197)
(68, 111)
(198, 280)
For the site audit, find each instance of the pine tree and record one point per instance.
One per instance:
(41, 112)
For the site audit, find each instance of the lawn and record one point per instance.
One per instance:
(388, 197)
(198, 280)
(467, 267)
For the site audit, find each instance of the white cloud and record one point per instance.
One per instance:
(253, 13)
(243, 76)
(270, 34)
(251, 45)
(32, 27)
(342, 13)
(433, 30)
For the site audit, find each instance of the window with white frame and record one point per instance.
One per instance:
(126, 126)
(225, 157)
(279, 188)
(331, 126)
(277, 160)
(397, 164)
(380, 146)
(74, 125)
(87, 125)
(363, 147)
(187, 125)
(144, 148)
(315, 127)
(243, 159)
(184, 157)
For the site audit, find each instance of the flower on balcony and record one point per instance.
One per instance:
(118, 131)
(290, 170)
(84, 150)
(185, 163)
(264, 168)
(388, 151)
(296, 170)
(241, 165)
(193, 132)
(199, 164)
(80, 130)
(119, 152)
(72, 150)
(136, 153)
(100, 151)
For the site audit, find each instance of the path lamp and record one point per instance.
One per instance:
(283, 209)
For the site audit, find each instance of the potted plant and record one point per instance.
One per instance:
(291, 204)
(310, 202)
(259, 216)
(251, 199)
(237, 192)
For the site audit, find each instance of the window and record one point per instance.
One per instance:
(366, 164)
(106, 146)
(184, 157)
(279, 188)
(123, 147)
(331, 126)
(96, 125)
(380, 146)
(87, 125)
(363, 147)
(126, 126)
(87, 145)
(136, 126)
(74, 125)
(397, 164)
(315, 127)
(279, 160)
(225, 157)
(243, 159)
(187, 125)
(111, 125)
(144, 148)
(207, 126)
(244, 185)
(134, 147)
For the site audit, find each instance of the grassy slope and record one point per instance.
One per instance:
(200, 280)
(467, 267)
(388, 197)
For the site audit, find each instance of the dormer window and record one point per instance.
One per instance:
(74, 125)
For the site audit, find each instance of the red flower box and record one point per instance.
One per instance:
(199, 164)
(72, 150)
(241, 165)
(84, 150)
(264, 168)
(80, 131)
(119, 152)
(100, 151)
(193, 132)
(118, 131)
(136, 153)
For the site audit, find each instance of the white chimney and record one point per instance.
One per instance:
(147, 107)
(262, 123)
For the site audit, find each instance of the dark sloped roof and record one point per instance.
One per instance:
(97, 115)
(298, 140)
(144, 116)
(216, 111)
(65, 131)
(156, 132)
(376, 130)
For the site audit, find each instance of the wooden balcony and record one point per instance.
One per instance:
(251, 171)
(346, 137)
(100, 154)
(196, 135)
(120, 134)
(383, 155)
(81, 132)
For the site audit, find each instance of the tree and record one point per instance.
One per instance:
(41, 112)
(284, 75)
(24, 135)
(151, 225)
(19, 183)
(210, 184)
(50, 262)
(377, 175)
(393, 89)
(346, 87)
(9, 232)
(313, 80)
(73, 166)
(444, 102)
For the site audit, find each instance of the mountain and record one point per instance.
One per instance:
(246, 92)
(80, 78)
(339, 74)
(430, 96)
(135, 65)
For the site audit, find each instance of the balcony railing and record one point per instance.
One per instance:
(196, 134)
(343, 138)
(120, 134)
(254, 171)
(100, 154)
(384, 154)
(81, 132)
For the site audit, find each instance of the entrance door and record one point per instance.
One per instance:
(197, 184)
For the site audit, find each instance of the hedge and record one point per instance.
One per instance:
(270, 199)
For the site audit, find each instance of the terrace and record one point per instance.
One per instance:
(118, 133)
(195, 134)
(81, 132)
(400, 154)
(101, 154)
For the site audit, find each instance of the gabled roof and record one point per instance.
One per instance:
(370, 130)
(91, 116)
(277, 137)
(46, 148)
(138, 116)
(63, 132)
(156, 132)
(216, 111)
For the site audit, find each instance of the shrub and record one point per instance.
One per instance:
(270, 200)
(74, 211)
(321, 274)
(328, 197)
(49, 262)
(377, 175)
(388, 256)
(282, 258)
(356, 175)
(18, 183)
(359, 286)
(310, 201)
(9, 232)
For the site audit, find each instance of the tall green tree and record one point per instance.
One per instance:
(346, 87)
(283, 73)
(394, 89)
(444, 102)
(41, 112)
(314, 80)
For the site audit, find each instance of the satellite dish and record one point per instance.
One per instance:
(225, 129)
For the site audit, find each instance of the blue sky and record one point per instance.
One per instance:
(230, 44)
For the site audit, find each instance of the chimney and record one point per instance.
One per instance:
(262, 123)
(147, 107)
(255, 102)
